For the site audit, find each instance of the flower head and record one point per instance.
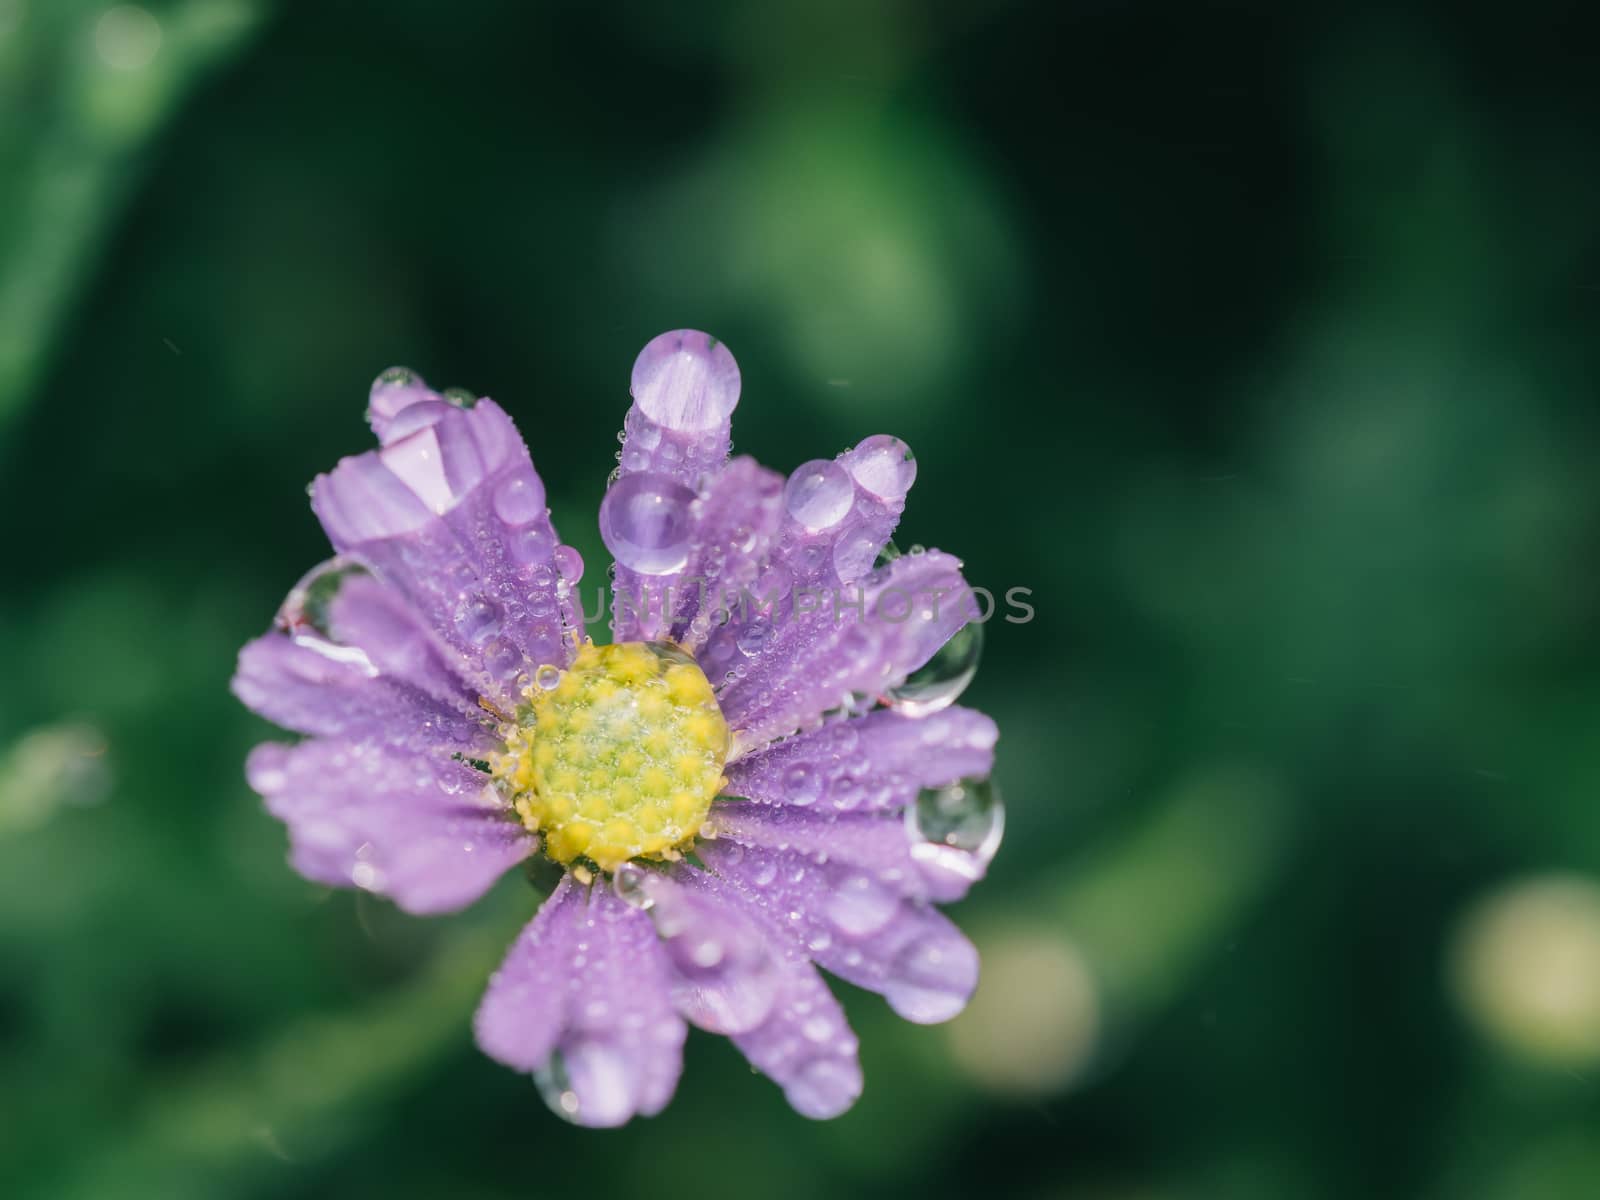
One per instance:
(763, 774)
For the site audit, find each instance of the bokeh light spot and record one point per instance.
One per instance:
(127, 37)
(1033, 1024)
(1527, 968)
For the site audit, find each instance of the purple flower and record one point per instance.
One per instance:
(762, 775)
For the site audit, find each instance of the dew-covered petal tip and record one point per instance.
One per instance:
(424, 830)
(348, 657)
(680, 556)
(856, 927)
(806, 1046)
(675, 443)
(855, 640)
(803, 1041)
(724, 975)
(591, 969)
(452, 514)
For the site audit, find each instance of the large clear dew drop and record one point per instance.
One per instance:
(957, 827)
(884, 466)
(939, 682)
(309, 601)
(645, 522)
(685, 380)
(819, 494)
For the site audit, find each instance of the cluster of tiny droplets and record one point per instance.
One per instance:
(840, 514)
(617, 757)
(508, 626)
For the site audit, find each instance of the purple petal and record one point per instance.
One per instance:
(426, 831)
(401, 390)
(308, 684)
(725, 977)
(802, 1039)
(524, 1008)
(728, 532)
(855, 926)
(842, 513)
(836, 517)
(590, 969)
(878, 847)
(736, 526)
(685, 387)
(349, 658)
(806, 1046)
(375, 619)
(675, 444)
(859, 640)
(452, 514)
(872, 763)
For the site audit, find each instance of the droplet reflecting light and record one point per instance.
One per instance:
(644, 522)
(939, 682)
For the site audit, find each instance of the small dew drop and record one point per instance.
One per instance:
(630, 882)
(819, 494)
(555, 1087)
(569, 563)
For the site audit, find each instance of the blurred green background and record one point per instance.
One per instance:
(1258, 342)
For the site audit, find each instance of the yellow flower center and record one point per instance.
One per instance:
(617, 757)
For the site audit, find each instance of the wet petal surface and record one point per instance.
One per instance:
(450, 512)
(873, 763)
(583, 1001)
(424, 830)
(856, 927)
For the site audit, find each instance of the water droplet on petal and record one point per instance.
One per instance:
(753, 638)
(957, 827)
(685, 380)
(824, 1087)
(398, 377)
(884, 466)
(546, 677)
(932, 978)
(394, 391)
(308, 603)
(819, 494)
(817, 1028)
(479, 619)
(801, 785)
(645, 523)
(940, 680)
(630, 882)
(519, 499)
(861, 906)
(855, 554)
(460, 397)
(501, 657)
(530, 546)
(588, 1081)
(366, 876)
(569, 563)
